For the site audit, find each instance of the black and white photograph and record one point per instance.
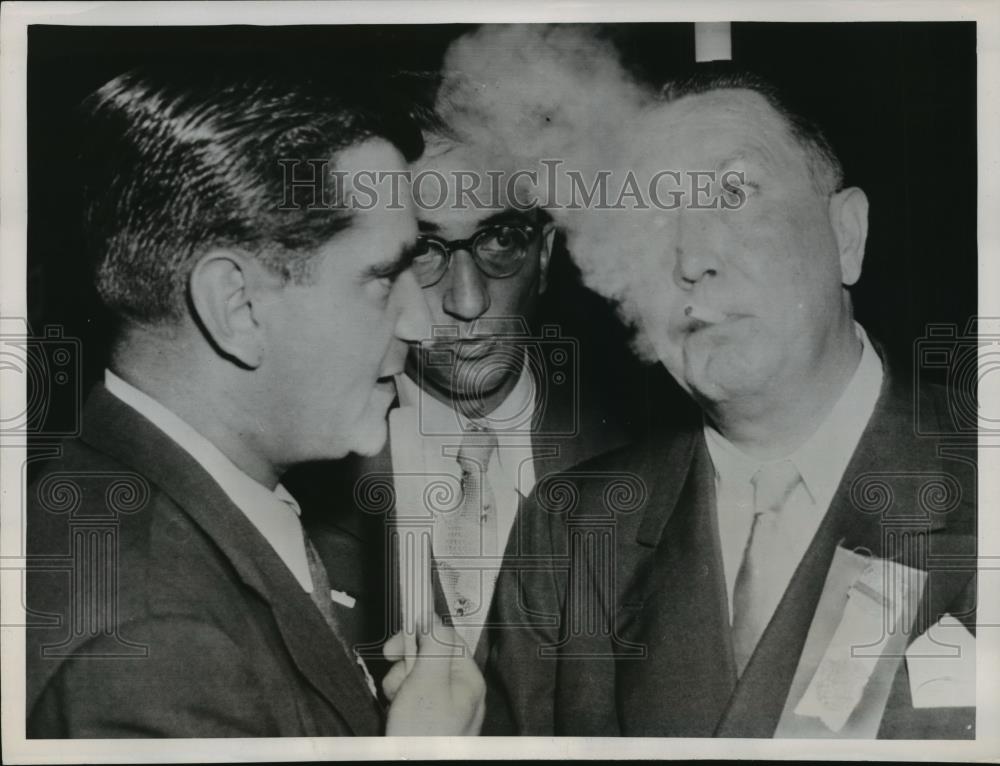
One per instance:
(605, 382)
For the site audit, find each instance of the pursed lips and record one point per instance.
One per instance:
(698, 317)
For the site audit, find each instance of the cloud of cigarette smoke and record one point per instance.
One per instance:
(528, 93)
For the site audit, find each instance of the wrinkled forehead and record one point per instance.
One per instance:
(710, 127)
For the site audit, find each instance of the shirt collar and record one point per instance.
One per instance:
(824, 456)
(513, 414)
(511, 421)
(729, 461)
(275, 514)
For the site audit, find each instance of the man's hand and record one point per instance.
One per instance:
(440, 692)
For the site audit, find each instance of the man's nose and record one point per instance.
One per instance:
(695, 256)
(414, 320)
(466, 295)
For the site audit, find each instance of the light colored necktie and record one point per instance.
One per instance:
(759, 583)
(469, 533)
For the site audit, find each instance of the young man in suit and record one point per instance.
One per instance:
(262, 320)
(487, 406)
(777, 567)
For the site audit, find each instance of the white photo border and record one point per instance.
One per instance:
(17, 16)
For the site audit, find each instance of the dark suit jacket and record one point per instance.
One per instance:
(158, 608)
(613, 610)
(356, 546)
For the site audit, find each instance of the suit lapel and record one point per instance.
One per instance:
(675, 604)
(374, 525)
(482, 649)
(566, 429)
(118, 430)
(561, 437)
(759, 697)
(761, 693)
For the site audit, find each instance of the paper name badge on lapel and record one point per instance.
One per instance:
(342, 598)
(864, 651)
(941, 666)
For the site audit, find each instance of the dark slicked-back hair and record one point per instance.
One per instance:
(175, 164)
(824, 165)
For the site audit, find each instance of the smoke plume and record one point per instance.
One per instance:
(559, 93)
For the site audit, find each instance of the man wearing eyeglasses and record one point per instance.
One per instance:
(488, 405)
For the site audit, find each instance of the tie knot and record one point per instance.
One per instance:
(477, 447)
(772, 484)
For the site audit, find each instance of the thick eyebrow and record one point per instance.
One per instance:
(395, 266)
(509, 215)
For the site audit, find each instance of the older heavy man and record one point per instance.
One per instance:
(778, 568)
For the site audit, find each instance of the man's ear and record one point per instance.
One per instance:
(548, 239)
(222, 296)
(849, 218)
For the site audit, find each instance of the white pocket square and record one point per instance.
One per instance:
(941, 665)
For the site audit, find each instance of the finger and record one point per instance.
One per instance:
(466, 679)
(468, 689)
(437, 639)
(393, 680)
(410, 649)
(395, 648)
(438, 647)
(476, 722)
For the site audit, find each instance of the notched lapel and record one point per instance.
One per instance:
(760, 694)
(672, 465)
(676, 606)
(123, 433)
(880, 509)
(326, 662)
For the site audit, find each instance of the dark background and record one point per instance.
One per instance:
(898, 101)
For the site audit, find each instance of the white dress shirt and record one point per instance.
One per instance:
(274, 514)
(821, 462)
(511, 472)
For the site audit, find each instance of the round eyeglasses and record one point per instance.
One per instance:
(498, 251)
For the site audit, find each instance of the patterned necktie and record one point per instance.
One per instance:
(470, 533)
(758, 583)
(321, 586)
(321, 598)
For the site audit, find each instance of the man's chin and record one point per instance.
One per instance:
(722, 375)
(370, 438)
(473, 380)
